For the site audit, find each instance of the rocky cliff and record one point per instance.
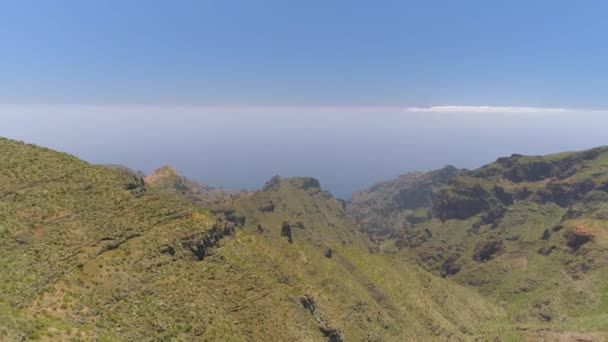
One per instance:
(529, 232)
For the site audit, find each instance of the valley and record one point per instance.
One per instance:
(514, 250)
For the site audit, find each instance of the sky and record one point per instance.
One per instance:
(314, 52)
(346, 148)
(232, 92)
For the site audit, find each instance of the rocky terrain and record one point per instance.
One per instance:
(97, 253)
(168, 179)
(514, 250)
(528, 232)
(390, 207)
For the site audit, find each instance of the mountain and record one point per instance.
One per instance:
(514, 250)
(529, 233)
(98, 253)
(388, 207)
(168, 179)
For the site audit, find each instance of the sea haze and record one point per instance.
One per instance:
(346, 148)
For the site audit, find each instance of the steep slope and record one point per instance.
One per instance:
(84, 248)
(168, 179)
(530, 233)
(92, 253)
(389, 208)
(309, 213)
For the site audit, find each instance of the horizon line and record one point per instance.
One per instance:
(408, 109)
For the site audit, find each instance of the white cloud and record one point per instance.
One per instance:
(488, 109)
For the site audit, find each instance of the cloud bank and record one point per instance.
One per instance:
(488, 109)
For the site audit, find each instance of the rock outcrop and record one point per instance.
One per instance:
(466, 196)
(488, 248)
(202, 244)
(578, 236)
(286, 231)
(332, 334)
(385, 207)
(167, 178)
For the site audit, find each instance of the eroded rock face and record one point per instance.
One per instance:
(382, 209)
(450, 266)
(578, 237)
(201, 245)
(306, 183)
(229, 215)
(476, 193)
(286, 231)
(488, 248)
(332, 334)
(266, 207)
(565, 193)
(137, 183)
(531, 172)
(302, 183)
(409, 237)
(518, 168)
(467, 197)
(308, 303)
(168, 179)
(167, 249)
(272, 183)
(441, 260)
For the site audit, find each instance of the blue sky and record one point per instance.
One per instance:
(271, 52)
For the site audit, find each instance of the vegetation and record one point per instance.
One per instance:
(515, 250)
(96, 253)
(529, 233)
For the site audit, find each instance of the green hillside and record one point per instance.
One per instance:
(530, 234)
(388, 208)
(96, 253)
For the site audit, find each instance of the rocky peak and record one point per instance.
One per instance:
(162, 173)
(303, 183)
(167, 178)
(272, 183)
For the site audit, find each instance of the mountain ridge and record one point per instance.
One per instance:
(95, 253)
(528, 232)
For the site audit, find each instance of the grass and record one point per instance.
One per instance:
(560, 295)
(86, 258)
(82, 249)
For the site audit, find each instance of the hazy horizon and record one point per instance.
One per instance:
(232, 92)
(346, 148)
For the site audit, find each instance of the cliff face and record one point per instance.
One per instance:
(510, 229)
(167, 178)
(393, 205)
(564, 179)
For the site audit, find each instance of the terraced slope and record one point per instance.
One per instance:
(93, 253)
(530, 233)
